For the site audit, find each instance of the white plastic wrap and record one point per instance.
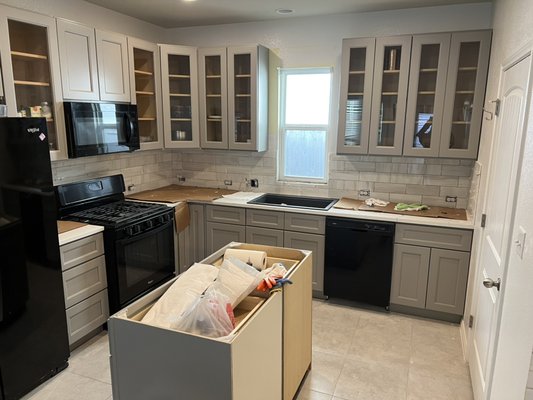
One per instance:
(178, 298)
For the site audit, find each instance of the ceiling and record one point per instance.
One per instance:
(183, 13)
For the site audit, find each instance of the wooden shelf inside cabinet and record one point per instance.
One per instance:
(141, 93)
(389, 94)
(357, 72)
(214, 119)
(32, 56)
(243, 95)
(179, 95)
(429, 70)
(213, 76)
(244, 120)
(388, 122)
(467, 68)
(213, 95)
(243, 76)
(355, 93)
(391, 71)
(461, 122)
(426, 92)
(464, 92)
(31, 83)
(174, 76)
(145, 73)
(146, 119)
(181, 119)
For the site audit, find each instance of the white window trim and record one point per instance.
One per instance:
(282, 81)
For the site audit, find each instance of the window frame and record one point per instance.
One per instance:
(283, 128)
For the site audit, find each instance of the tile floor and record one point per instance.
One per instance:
(357, 355)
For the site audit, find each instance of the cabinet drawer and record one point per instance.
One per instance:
(264, 218)
(305, 223)
(84, 280)
(230, 215)
(87, 315)
(430, 236)
(82, 250)
(264, 236)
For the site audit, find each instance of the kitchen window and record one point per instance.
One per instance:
(304, 124)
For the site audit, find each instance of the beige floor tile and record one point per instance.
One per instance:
(92, 359)
(363, 379)
(69, 386)
(308, 394)
(325, 371)
(430, 383)
(382, 339)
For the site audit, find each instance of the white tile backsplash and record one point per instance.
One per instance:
(406, 179)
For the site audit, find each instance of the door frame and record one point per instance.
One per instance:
(508, 63)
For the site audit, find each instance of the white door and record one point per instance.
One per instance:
(496, 236)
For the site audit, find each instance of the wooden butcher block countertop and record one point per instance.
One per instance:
(178, 193)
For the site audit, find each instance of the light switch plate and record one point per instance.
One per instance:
(520, 242)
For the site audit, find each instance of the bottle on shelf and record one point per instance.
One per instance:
(46, 111)
(3, 107)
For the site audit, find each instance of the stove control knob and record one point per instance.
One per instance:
(129, 231)
(136, 229)
(148, 224)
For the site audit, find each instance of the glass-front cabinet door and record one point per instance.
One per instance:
(355, 95)
(145, 83)
(180, 96)
(30, 61)
(389, 95)
(213, 98)
(247, 97)
(465, 88)
(427, 86)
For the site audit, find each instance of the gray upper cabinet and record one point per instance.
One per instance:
(94, 63)
(419, 95)
(355, 95)
(427, 88)
(247, 98)
(179, 76)
(389, 95)
(31, 72)
(213, 94)
(145, 82)
(77, 50)
(465, 91)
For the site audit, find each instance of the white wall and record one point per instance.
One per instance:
(92, 15)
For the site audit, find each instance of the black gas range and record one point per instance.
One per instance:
(138, 237)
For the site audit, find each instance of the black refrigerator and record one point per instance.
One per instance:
(33, 329)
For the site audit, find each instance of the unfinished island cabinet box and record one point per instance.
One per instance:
(265, 359)
(145, 84)
(30, 69)
(430, 271)
(179, 77)
(85, 286)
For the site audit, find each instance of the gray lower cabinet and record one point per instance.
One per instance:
(220, 234)
(264, 236)
(410, 275)
(431, 275)
(85, 287)
(314, 243)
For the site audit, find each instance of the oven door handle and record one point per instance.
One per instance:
(143, 234)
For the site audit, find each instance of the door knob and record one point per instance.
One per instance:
(489, 283)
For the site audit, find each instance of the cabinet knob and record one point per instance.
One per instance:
(489, 283)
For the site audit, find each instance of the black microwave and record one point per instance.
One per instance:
(101, 128)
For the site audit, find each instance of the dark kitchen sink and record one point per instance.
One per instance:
(284, 200)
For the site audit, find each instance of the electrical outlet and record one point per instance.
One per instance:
(228, 182)
(451, 199)
(364, 192)
(181, 178)
(254, 182)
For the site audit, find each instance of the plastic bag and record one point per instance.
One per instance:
(210, 315)
(236, 280)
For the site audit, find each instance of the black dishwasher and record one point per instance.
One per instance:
(358, 263)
